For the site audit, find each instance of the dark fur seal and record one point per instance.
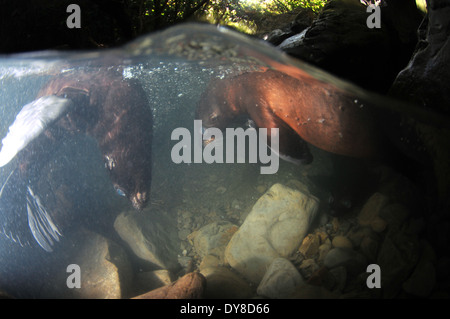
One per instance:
(304, 109)
(100, 103)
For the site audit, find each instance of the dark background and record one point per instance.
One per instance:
(38, 25)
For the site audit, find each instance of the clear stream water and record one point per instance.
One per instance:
(174, 68)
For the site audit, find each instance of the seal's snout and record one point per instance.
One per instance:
(207, 141)
(139, 200)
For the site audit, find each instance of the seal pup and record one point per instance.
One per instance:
(100, 103)
(304, 109)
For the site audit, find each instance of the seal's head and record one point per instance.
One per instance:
(130, 177)
(124, 134)
(127, 149)
(216, 107)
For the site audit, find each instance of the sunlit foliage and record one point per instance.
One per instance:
(422, 5)
(150, 15)
(113, 22)
(283, 6)
(242, 15)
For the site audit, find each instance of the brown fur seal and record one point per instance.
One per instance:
(100, 103)
(303, 108)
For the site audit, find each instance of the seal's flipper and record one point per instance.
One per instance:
(41, 224)
(21, 227)
(13, 220)
(31, 121)
(292, 147)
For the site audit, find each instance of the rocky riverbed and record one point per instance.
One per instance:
(266, 237)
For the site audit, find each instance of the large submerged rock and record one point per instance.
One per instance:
(222, 283)
(152, 237)
(104, 269)
(213, 238)
(281, 280)
(274, 228)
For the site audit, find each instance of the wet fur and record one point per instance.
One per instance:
(319, 113)
(115, 112)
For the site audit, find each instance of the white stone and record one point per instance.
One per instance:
(281, 280)
(213, 238)
(275, 227)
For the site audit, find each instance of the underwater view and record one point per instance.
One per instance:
(199, 163)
